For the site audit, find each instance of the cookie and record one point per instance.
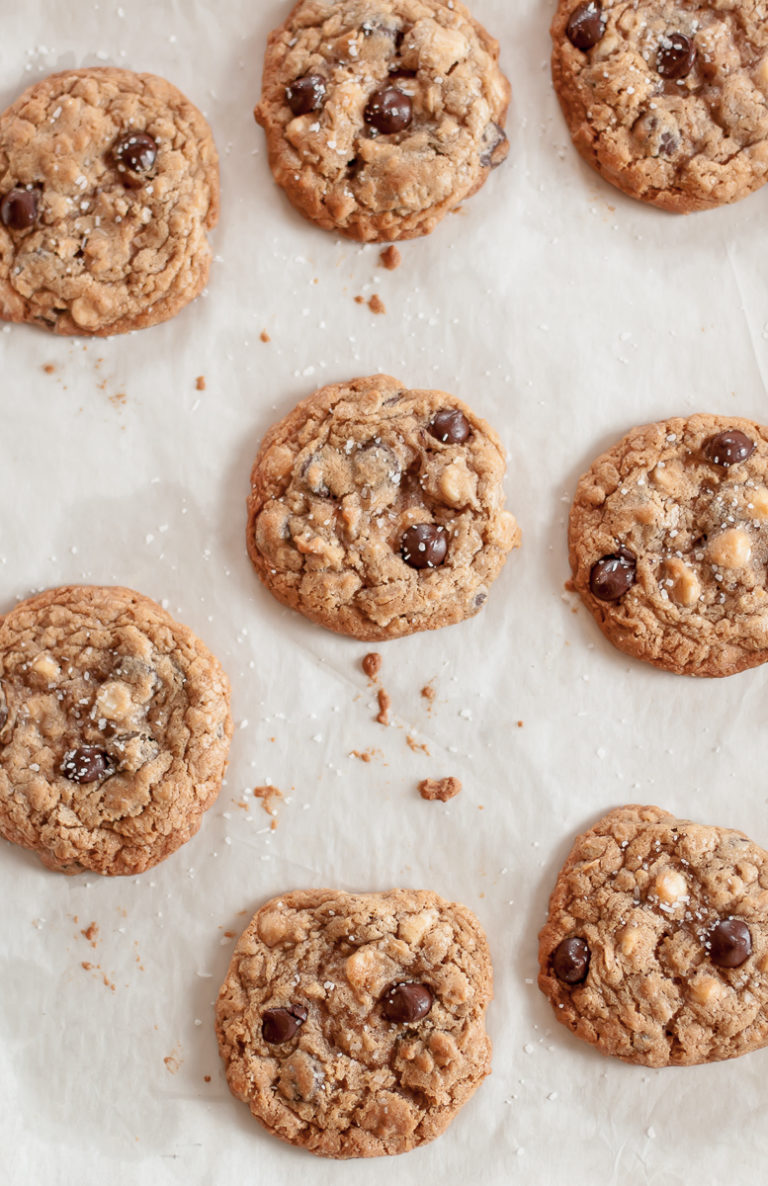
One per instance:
(108, 183)
(377, 511)
(353, 1024)
(381, 116)
(114, 730)
(655, 949)
(667, 100)
(669, 544)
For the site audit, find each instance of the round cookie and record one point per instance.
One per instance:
(655, 949)
(667, 99)
(353, 1025)
(668, 542)
(381, 116)
(114, 729)
(108, 183)
(377, 511)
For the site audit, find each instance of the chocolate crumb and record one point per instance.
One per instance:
(390, 258)
(372, 664)
(265, 336)
(200, 383)
(385, 703)
(376, 304)
(442, 789)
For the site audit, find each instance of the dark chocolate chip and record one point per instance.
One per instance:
(586, 25)
(85, 764)
(389, 110)
(18, 209)
(570, 961)
(613, 575)
(676, 56)
(449, 426)
(496, 147)
(280, 1025)
(730, 943)
(424, 545)
(136, 152)
(407, 1003)
(669, 144)
(729, 447)
(306, 94)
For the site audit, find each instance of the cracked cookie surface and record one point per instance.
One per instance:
(668, 541)
(353, 1025)
(114, 729)
(377, 511)
(667, 99)
(108, 183)
(656, 945)
(382, 115)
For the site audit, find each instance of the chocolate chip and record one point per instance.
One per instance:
(18, 209)
(668, 144)
(136, 152)
(729, 447)
(495, 146)
(613, 575)
(280, 1025)
(586, 25)
(730, 943)
(424, 545)
(450, 426)
(407, 1003)
(570, 961)
(86, 764)
(676, 56)
(306, 94)
(389, 110)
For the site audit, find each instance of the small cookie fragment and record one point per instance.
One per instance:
(655, 949)
(390, 258)
(439, 788)
(114, 730)
(377, 511)
(668, 541)
(353, 1025)
(381, 116)
(109, 182)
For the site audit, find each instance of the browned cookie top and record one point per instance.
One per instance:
(114, 729)
(108, 184)
(377, 511)
(669, 544)
(382, 115)
(354, 1024)
(667, 99)
(656, 945)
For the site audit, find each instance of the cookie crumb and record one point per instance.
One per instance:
(442, 788)
(359, 300)
(118, 399)
(385, 703)
(363, 756)
(268, 795)
(200, 383)
(428, 692)
(520, 724)
(91, 933)
(372, 664)
(418, 747)
(264, 336)
(376, 304)
(206, 1078)
(390, 258)
(173, 1061)
(49, 368)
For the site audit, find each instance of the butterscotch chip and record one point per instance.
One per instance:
(667, 918)
(114, 730)
(353, 1025)
(119, 173)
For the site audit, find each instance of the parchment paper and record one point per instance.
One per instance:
(565, 314)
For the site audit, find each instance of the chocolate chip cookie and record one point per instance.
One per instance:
(667, 99)
(382, 115)
(114, 729)
(669, 544)
(377, 511)
(108, 183)
(353, 1025)
(656, 945)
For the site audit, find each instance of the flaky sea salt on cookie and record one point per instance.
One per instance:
(108, 184)
(377, 511)
(353, 1025)
(114, 729)
(382, 115)
(656, 945)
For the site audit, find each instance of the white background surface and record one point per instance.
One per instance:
(565, 314)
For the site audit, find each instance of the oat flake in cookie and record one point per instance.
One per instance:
(669, 544)
(108, 183)
(382, 115)
(353, 1025)
(656, 945)
(378, 511)
(667, 99)
(114, 729)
